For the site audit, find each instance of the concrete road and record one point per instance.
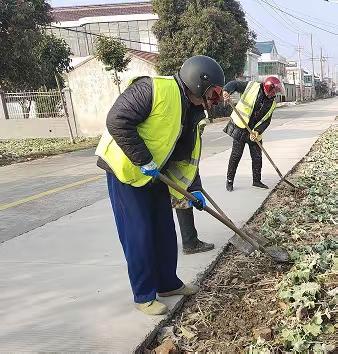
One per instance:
(64, 286)
(34, 193)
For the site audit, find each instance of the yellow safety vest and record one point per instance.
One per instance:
(160, 132)
(246, 105)
(184, 172)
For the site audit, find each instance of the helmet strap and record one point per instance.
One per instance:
(206, 106)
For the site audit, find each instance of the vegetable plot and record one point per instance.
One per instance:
(249, 304)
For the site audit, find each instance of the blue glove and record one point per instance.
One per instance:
(201, 203)
(150, 169)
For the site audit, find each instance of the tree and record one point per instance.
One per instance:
(322, 89)
(208, 27)
(112, 53)
(29, 57)
(169, 11)
(53, 55)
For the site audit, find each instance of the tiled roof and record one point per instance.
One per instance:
(255, 51)
(146, 56)
(74, 13)
(265, 47)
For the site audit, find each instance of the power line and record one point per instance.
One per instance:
(300, 19)
(287, 44)
(287, 26)
(288, 20)
(308, 17)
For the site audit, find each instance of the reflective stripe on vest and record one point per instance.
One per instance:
(246, 105)
(160, 132)
(184, 172)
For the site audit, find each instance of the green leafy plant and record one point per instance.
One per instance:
(112, 53)
(214, 28)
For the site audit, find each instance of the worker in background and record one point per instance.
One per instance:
(256, 105)
(185, 215)
(150, 129)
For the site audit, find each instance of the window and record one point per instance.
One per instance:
(124, 35)
(94, 28)
(150, 24)
(83, 47)
(123, 27)
(133, 26)
(104, 28)
(270, 68)
(89, 38)
(114, 29)
(143, 25)
(134, 35)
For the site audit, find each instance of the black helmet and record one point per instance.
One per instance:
(201, 72)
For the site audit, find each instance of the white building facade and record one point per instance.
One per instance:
(270, 63)
(251, 66)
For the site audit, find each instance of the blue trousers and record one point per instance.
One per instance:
(147, 233)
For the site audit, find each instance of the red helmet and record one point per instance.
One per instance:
(214, 94)
(272, 86)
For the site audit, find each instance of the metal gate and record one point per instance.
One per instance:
(34, 105)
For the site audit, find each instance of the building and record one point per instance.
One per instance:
(80, 25)
(93, 91)
(293, 74)
(270, 63)
(251, 65)
(302, 80)
(308, 79)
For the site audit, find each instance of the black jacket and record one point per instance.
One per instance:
(262, 106)
(133, 107)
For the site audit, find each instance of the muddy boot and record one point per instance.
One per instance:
(230, 185)
(259, 184)
(198, 247)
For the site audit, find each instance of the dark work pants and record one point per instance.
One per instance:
(185, 219)
(236, 155)
(147, 233)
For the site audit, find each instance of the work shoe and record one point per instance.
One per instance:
(152, 308)
(230, 185)
(185, 290)
(259, 184)
(199, 247)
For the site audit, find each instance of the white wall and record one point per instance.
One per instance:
(267, 57)
(94, 92)
(251, 67)
(292, 75)
(33, 128)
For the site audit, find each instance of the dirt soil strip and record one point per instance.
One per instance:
(239, 301)
(22, 150)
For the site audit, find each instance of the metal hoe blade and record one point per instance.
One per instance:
(278, 254)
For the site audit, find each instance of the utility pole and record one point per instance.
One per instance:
(321, 64)
(300, 70)
(313, 69)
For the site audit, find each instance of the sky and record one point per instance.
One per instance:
(269, 23)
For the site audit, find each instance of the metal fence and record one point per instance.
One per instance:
(34, 104)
